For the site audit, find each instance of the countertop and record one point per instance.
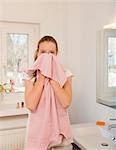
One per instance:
(11, 110)
(88, 136)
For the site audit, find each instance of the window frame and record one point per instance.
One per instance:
(32, 29)
(103, 91)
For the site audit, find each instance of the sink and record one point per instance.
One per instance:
(109, 134)
(91, 137)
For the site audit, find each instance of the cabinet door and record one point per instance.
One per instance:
(18, 43)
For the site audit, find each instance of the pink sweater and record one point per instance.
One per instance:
(49, 123)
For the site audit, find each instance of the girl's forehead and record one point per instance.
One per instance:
(46, 45)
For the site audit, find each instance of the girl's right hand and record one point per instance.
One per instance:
(41, 78)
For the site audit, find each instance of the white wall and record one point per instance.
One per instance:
(84, 20)
(74, 25)
(50, 15)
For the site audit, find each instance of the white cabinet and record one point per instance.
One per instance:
(13, 132)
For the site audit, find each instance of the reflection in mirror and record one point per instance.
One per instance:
(17, 52)
(106, 66)
(112, 61)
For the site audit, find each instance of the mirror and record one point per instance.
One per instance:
(106, 66)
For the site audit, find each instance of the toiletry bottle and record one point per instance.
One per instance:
(18, 105)
(22, 104)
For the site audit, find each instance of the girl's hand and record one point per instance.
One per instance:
(54, 83)
(64, 94)
(41, 76)
(41, 79)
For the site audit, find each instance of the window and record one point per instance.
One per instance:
(18, 43)
(17, 57)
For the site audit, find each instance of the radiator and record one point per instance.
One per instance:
(12, 139)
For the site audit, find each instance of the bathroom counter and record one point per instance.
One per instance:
(12, 117)
(88, 136)
(11, 110)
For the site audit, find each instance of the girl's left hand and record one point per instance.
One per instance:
(64, 94)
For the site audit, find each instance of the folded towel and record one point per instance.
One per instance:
(49, 123)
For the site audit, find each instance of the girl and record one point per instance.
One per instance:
(34, 87)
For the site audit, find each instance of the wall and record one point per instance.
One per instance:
(50, 15)
(42, 12)
(84, 20)
(74, 24)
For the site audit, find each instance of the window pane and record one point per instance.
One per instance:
(17, 52)
(112, 62)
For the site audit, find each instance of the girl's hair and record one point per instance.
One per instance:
(44, 39)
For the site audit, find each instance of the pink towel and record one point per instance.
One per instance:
(49, 123)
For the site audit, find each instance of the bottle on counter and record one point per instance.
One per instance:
(22, 104)
(18, 106)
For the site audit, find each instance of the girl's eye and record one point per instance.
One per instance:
(42, 52)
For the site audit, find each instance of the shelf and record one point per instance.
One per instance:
(108, 101)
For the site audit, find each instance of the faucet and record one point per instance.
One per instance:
(111, 126)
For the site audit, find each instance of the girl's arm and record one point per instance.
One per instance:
(33, 92)
(64, 94)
